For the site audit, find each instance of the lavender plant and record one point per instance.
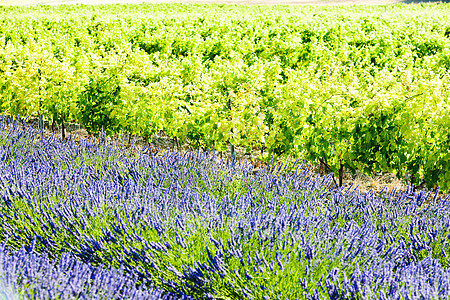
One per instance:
(6, 292)
(193, 225)
(38, 277)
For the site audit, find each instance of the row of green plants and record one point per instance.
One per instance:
(357, 88)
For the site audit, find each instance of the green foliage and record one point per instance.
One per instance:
(97, 104)
(354, 87)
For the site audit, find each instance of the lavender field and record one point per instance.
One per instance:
(94, 220)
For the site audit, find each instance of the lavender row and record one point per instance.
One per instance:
(28, 275)
(192, 224)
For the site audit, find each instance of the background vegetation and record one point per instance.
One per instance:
(351, 87)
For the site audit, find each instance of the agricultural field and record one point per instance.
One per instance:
(352, 88)
(92, 221)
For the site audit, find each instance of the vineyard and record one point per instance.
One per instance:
(356, 88)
